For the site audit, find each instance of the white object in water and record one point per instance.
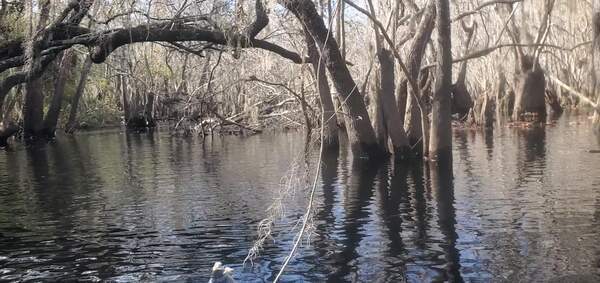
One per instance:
(221, 274)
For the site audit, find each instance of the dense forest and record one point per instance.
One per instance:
(392, 74)
(390, 78)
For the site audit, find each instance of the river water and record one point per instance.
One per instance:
(523, 206)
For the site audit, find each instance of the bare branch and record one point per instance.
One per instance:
(482, 6)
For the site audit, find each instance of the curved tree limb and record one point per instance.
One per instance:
(483, 5)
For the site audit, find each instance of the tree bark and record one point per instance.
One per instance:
(360, 132)
(124, 95)
(530, 92)
(72, 123)
(595, 48)
(33, 112)
(149, 110)
(376, 113)
(402, 100)
(64, 72)
(596, 119)
(461, 98)
(387, 108)
(8, 128)
(330, 135)
(501, 98)
(412, 118)
(440, 143)
(391, 114)
(553, 101)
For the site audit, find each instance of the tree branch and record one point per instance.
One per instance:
(483, 5)
(486, 51)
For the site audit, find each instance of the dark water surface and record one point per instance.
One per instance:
(524, 205)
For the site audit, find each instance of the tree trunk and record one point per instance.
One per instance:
(33, 108)
(126, 110)
(486, 113)
(501, 98)
(595, 48)
(330, 136)
(149, 110)
(64, 72)
(554, 102)
(401, 100)
(530, 93)
(7, 127)
(33, 112)
(360, 132)
(461, 98)
(387, 108)
(440, 143)
(376, 113)
(391, 114)
(412, 118)
(596, 119)
(72, 123)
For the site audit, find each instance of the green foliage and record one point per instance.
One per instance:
(98, 112)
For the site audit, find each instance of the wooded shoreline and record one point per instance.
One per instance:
(397, 94)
